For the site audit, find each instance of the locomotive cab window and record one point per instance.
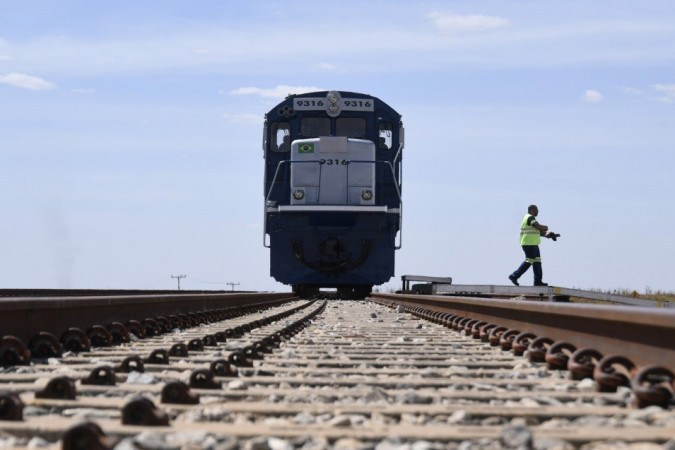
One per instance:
(281, 137)
(312, 127)
(351, 127)
(385, 136)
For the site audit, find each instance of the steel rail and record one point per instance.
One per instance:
(645, 335)
(24, 317)
(19, 292)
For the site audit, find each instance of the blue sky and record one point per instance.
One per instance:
(130, 134)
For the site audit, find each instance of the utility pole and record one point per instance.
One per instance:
(232, 284)
(178, 277)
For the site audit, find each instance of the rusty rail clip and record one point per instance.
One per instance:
(223, 368)
(239, 359)
(152, 327)
(522, 342)
(221, 336)
(210, 341)
(177, 392)
(141, 411)
(136, 328)
(87, 436)
(179, 350)
(653, 385)
(251, 352)
(613, 371)
(59, 388)
(582, 363)
(11, 407)
(558, 354)
(100, 376)
(120, 333)
(507, 338)
(204, 379)
(158, 356)
(132, 363)
(13, 352)
(45, 345)
(99, 336)
(195, 345)
(536, 351)
(75, 340)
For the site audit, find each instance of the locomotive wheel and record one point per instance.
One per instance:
(304, 291)
(361, 292)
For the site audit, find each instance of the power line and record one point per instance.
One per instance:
(233, 284)
(208, 282)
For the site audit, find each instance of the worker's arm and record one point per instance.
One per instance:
(542, 228)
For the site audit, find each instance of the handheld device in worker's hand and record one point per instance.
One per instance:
(552, 235)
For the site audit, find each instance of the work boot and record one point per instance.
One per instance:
(519, 272)
(536, 267)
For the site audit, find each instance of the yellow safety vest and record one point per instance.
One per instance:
(529, 235)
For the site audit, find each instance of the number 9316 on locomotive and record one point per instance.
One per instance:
(332, 191)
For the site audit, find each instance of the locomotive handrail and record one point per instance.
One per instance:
(349, 161)
(393, 174)
(391, 167)
(398, 192)
(398, 185)
(267, 199)
(276, 173)
(398, 153)
(269, 194)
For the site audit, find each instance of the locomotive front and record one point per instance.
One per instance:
(332, 191)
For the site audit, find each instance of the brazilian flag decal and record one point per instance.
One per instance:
(306, 148)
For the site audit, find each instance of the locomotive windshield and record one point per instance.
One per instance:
(385, 135)
(281, 137)
(351, 127)
(312, 127)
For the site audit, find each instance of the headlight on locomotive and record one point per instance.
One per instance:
(367, 194)
(333, 110)
(298, 194)
(333, 97)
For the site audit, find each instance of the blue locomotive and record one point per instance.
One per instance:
(332, 191)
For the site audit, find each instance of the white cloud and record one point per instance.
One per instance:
(592, 96)
(26, 81)
(454, 23)
(326, 66)
(5, 57)
(665, 92)
(280, 91)
(244, 118)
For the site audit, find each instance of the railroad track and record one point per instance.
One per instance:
(394, 372)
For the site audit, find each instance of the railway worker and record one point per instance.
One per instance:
(531, 232)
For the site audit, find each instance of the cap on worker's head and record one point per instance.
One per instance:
(531, 208)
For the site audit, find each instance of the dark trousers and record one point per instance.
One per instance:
(532, 258)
